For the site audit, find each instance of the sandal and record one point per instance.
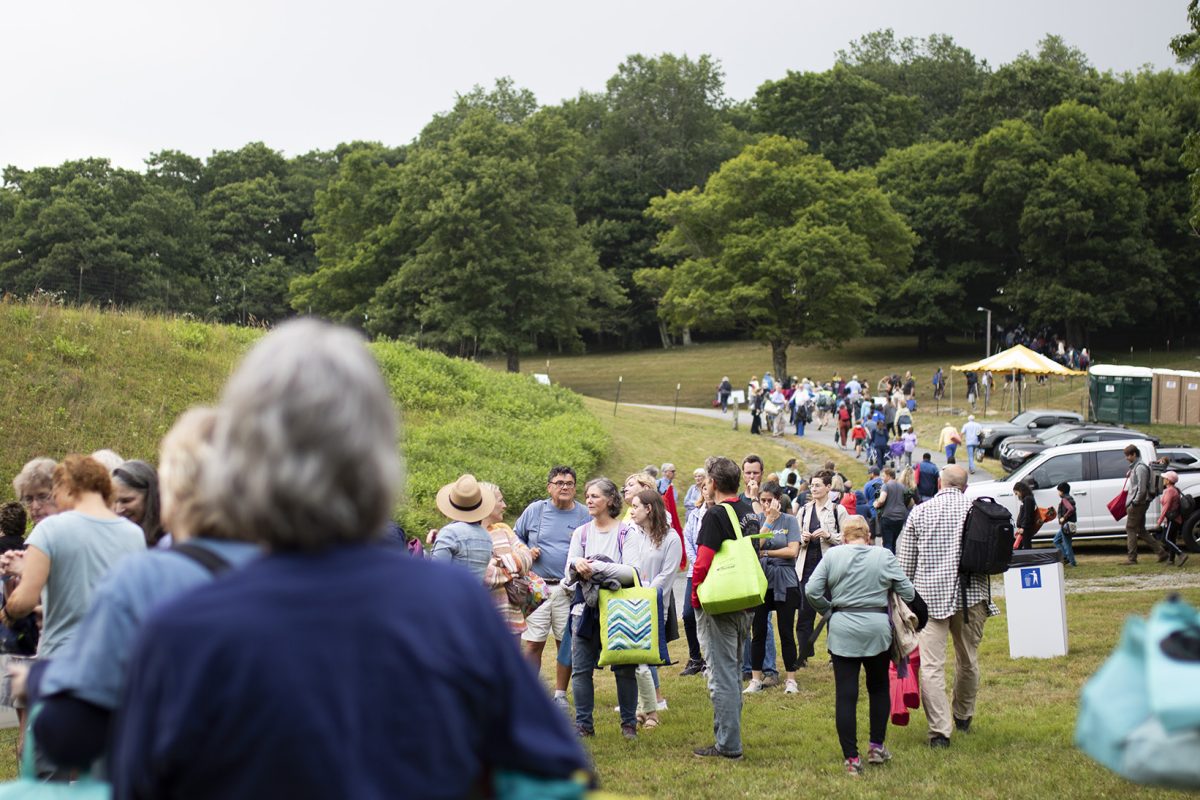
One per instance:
(650, 721)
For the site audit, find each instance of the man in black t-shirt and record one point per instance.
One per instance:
(724, 635)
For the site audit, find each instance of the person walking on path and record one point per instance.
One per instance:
(724, 635)
(949, 440)
(892, 509)
(972, 432)
(929, 550)
(1136, 503)
(724, 390)
(858, 578)
(880, 443)
(927, 478)
(821, 522)
(545, 527)
(1067, 517)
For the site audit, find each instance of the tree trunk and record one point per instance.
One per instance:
(687, 337)
(514, 361)
(665, 335)
(779, 358)
(923, 342)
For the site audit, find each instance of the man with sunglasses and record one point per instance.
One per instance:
(546, 527)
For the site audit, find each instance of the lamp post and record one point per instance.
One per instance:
(989, 330)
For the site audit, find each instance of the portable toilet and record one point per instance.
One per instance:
(1168, 389)
(1189, 397)
(1121, 394)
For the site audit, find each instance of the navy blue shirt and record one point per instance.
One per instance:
(356, 672)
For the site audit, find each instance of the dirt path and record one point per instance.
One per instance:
(822, 437)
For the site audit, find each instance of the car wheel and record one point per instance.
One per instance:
(1191, 532)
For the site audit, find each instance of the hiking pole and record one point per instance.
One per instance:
(618, 401)
(676, 416)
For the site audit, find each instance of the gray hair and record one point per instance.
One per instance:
(36, 474)
(668, 466)
(304, 451)
(142, 477)
(610, 492)
(111, 459)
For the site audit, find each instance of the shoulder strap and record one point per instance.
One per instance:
(737, 526)
(583, 538)
(211, 561)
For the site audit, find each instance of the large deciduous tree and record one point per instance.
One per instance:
(782, 245)
(476, 248)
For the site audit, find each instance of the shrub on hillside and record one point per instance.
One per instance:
(462, 417)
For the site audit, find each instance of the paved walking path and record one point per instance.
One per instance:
(825, 437)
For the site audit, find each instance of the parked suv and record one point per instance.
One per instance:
(1096, 472)
(1016, 450)
(1023, 424)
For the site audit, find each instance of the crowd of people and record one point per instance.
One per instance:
(250, 595)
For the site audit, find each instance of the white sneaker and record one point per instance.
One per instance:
(753, 687)
(662, 704)
(791, 688)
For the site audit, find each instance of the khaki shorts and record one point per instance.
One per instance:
(551, 615)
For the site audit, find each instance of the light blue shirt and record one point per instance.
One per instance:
(82, 549)
(971, 433)
(548, 528)
(858, 575)
(467, 544)
(94, 663)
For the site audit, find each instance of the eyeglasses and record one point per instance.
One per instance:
(563, 484)
(41, 499)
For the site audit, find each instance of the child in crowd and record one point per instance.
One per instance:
(910, 444)
(1066, 523)
(859, 435)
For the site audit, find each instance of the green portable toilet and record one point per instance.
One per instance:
(1121, 394)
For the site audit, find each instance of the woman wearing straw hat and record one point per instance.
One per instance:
(465, 541)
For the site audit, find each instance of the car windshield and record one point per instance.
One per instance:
(1024, 418)
(1054, 431)
(1065, 437)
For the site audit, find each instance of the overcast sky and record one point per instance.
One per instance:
(125, 78)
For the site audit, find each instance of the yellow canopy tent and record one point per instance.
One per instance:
(1018, 359)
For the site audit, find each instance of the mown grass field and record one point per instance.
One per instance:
(651, 376)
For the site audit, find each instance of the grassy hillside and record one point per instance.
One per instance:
(76, 380)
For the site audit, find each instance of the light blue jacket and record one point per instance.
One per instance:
(858, 575)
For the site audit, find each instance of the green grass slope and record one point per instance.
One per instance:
(76, 380)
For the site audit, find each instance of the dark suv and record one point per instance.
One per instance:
(1027, 423)
(1016, 450)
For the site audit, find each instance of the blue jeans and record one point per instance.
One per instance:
(800, 428)
(1063, 543)
(584, 655)
(950, 448)
(971, 457)
(881, 454)
(769, 658)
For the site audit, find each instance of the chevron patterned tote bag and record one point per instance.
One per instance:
(629, 622)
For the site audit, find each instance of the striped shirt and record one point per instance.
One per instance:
(929, 550)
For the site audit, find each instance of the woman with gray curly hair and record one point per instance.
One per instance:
(300, 657)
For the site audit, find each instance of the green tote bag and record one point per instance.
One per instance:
(735, 581)
(629, 621)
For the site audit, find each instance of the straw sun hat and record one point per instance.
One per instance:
(464, 501)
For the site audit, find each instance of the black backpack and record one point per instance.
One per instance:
(987, 543)
(1187, 505)
(987, 538)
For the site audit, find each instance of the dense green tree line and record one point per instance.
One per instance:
(896, 191)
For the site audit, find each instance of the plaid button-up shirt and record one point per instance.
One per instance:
(929, 549)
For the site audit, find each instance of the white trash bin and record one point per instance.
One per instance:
(1036, 602)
